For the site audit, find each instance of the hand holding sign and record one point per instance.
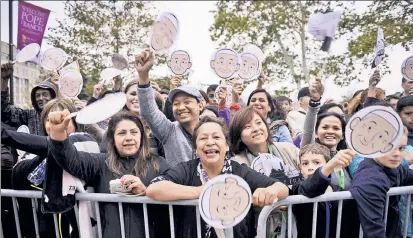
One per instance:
(6, 70)
(375, 78)
(316, 89)
(144, 61)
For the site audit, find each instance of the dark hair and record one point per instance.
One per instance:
(212, 109)
(404, 80)
(317, 149)
(278, 105)
(204, 95)
(130, 84)
(143, 156)
(208, 119)
(57, 104)
(274, 114)
(342, 144)
(325, 107)
(212, 87)
(243, 117)
(404, 102)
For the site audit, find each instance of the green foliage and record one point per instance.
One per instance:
(93, 30)
(279, 29)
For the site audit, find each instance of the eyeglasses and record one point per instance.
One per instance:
(211, 95)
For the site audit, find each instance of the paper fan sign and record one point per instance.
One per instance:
(119, 62)
(225, 201)
(225, 63)
(323, 27)
(109, 73)
(374, 131)
(27, 53)
(72, 66)
(53, 58)
(101, 110)
(22, 129)
(251, 63)
(407, 68)
(164, 32)
(179, 62)
(225, 89)
(275, 167)
(70, 83)
(379, 48)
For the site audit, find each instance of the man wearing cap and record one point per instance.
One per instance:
(296, 119)
(14, 116)
(186, 105)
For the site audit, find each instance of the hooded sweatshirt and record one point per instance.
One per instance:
(15, 117)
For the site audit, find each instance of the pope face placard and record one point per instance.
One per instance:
(225, 201)
(70, 83)
(374, 131)
(53, 58)
(407, 68)
(179, 62)
(22, 129)
(274, 167)
(164, 32)
(225, 63)
(251, 63)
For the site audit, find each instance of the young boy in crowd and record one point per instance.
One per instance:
(369, 188)
(317, 167)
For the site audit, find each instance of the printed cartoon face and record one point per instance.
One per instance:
(249, 66)
(225, 63)
(164, 32)
(179, 62)
(53, 59)
(407, 68)
(70, 84)
(375, 132)
(228, 200)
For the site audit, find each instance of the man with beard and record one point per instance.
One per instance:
(176, 137)
(14, 116)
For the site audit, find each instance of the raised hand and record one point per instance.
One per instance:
(144, 61)
(316, 90)
(97, 89)
(6, 70)
(375, 78)
(57, 124)
(175, 82)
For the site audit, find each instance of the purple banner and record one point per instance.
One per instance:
(31, 24)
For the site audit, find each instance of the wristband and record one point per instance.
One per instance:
(314, 103)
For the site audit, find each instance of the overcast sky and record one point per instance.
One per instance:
(195, 19)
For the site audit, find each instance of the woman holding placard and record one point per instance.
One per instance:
(128, 159)
(261, 100)
(187, 180)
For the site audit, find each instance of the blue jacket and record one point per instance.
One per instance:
(369, 188)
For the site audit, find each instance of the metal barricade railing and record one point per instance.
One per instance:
(103, 197)
(335, 196)
(261, 229)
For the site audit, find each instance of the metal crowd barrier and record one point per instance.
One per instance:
(261, 229)
(101, 197)
(335, 196)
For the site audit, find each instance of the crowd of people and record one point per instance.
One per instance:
(166, 144)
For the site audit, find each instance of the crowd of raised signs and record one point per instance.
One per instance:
(234, 156)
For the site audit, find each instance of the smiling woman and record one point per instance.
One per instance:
(128, 157)
(187, 179)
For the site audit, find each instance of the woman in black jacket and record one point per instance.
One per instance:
(128, 158)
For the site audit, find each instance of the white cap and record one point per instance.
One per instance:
(172, 17)
(389, 117)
